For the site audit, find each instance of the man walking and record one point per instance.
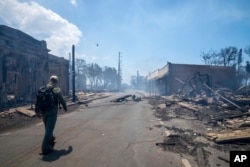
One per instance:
(49, 113)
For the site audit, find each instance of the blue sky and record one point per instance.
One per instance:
(148, 33)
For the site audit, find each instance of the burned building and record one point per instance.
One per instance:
(25, 65)
(60, 67)
(172, 77)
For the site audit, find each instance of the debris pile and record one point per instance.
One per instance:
(224, 114)
(121, 99)
(221, 107)
(181, 141)
(125, 98)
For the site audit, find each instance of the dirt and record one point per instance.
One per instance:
(16, 120)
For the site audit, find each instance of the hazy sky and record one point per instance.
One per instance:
(148, 33)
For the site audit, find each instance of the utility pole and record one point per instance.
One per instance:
(73, 74)
(137, 80)
(70, 72)
(119, 72)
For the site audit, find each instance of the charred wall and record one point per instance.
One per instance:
(26, 65)
(219, 76)
(172, 77)
(59, 66)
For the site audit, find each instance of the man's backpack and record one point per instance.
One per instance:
(46, 98)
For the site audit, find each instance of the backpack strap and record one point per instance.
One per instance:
(56, 100)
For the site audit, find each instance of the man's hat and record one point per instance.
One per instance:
(53, 78)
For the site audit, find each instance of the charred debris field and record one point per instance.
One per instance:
(206, 125)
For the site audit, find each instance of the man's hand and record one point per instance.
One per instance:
(39, 115)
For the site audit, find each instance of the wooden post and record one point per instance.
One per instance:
(223, 97)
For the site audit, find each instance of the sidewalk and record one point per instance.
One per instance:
(18, 117)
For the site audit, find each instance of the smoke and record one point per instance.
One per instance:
(42, 24)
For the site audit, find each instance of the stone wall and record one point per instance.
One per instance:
(26, 65)
(59, 67)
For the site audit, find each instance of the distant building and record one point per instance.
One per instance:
(171, 78)
(25, 65)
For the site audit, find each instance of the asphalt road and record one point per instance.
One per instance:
(103, 134)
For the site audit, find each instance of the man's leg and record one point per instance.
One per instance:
(48, 141)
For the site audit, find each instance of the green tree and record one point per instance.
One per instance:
(240, 69)
(92, 71)
(80, 74)
(109, 77)
(247, 50)
(247, 67)
(240, 58)
(247, 71)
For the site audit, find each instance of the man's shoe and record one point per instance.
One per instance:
(46, 152)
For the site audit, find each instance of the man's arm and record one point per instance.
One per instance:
(38, 114)
(62, 101)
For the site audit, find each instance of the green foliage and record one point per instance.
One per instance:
(80, 66)
(99, 78)
(247, 50)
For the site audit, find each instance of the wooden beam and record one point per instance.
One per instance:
(224, 98)
(200, 157)
(224, 159)
(231, 116)
(230, 137)
(185, 105)
(26, 112)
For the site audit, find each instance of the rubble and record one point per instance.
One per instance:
(221, 107)
(125, 98)
(121, 99)
(136, 98)
(230, 137)
(26, 111)
(225, 114)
